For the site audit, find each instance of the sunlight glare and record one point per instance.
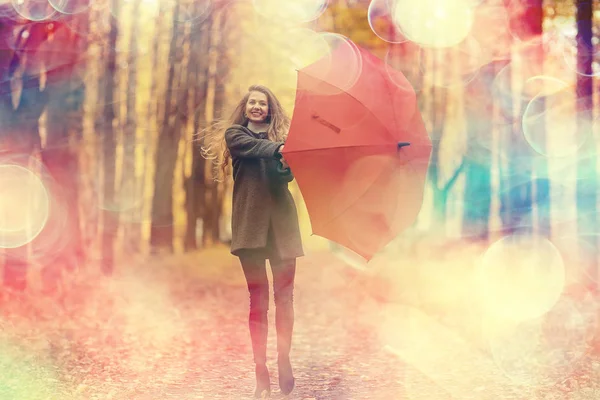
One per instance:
(379, 16)
(521, 277)
(441, 354)
(24, 206)
(448, 24)
(290, 12)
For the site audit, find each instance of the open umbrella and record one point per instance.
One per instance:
(358, 149)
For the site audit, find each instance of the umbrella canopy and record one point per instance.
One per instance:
(359, 151)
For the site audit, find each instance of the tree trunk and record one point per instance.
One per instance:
(129, 186)
(534, 18)
(440, 189)
(516, 185)
(60, 157)
(216, 190)
(437, 128)
(587, 220)
(195, 184)
(152, 116)
(106, 129)
(19, 131)
(161, 233)
(478, 188)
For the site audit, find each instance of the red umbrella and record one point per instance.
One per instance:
(358, 149)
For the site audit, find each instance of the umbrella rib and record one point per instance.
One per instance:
(351, 95)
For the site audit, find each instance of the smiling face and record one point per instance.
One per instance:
(257, 107)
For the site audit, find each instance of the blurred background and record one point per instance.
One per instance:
(104, 104)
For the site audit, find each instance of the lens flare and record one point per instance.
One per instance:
(380, 19)
(434, 23)
(521, 277)
(290, 12)
(337, 63)
(34, 10)
(543, 351)
(24, 206)
(441, 354)
(70, 6)
(551, 124)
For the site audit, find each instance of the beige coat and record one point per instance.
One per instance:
(261, 196)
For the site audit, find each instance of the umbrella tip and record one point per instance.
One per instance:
(403, 144)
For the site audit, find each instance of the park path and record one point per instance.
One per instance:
(175, 327)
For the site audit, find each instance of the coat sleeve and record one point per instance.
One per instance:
(242, 145)
(277, 174)
(284, 174)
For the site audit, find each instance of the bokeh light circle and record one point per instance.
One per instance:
(523, 77)
(70, 6)
(34, 10)
(24, 206)
(578, 59)
(521, 277)
(334, 60)
(551, 124)
(381, 22)
(306, 47)
(434, 23)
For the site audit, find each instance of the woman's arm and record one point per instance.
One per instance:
(277, 173)
(284, 173)
(243, 145)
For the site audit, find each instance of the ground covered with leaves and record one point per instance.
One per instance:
(175, 327)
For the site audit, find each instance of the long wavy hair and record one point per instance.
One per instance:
(213, 145)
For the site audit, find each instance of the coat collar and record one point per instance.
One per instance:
(262, 135)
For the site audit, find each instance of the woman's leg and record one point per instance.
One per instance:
(284, 272)
(254, 267)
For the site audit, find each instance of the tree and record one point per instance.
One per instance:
(587, 219)
(20, 111)
(478, 188)
(105, 128)
(215, 189)
(64, 55)
(516, 187)
(534, 19)
(195, 184)
(161, 234)
(128, 186)
(441, 189)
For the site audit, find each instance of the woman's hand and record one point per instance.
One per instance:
(282, 160)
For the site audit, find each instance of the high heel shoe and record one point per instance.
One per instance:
(263, 382)
(286, 375)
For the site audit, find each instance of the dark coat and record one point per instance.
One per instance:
(261, 198)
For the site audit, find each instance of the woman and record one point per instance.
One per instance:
(264, 224)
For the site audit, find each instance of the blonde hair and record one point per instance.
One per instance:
(214, 138)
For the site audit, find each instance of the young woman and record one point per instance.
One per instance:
(264, 224)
